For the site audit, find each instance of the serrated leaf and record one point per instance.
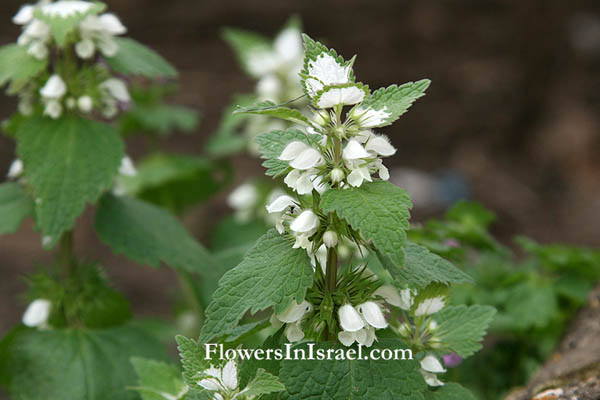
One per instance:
(60, 25)
(274, 110)
(74, 364)
(379, 210)
(15, 205)
(450, 391)
(133, 58)
(149, 235)
(271, 144)
(272, 274)
(158, 380)
(68, 162)
(192, 359)
(17, 65)
(389, 103)
(422, 267)
(341, 380)
(263, 383)
(461, 328)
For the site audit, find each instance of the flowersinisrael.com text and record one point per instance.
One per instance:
(216, 351)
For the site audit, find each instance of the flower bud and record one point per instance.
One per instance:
(337, 175)
(85, 104)
(404, 330)
(330, 238)
(321, 118)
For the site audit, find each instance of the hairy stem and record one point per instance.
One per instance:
(65, 254)
(331, 271)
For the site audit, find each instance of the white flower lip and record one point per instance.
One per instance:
(354, 151)
(307, 159)
(305, 222)
(350, 319)
(66, 8)
(281, 204)
(431, 364)
(293, 150)
(295, 312)
(37, 313)
(345, 95)
(24, 16)
(381, 146)
(111, 24)
(430, 306)
(293, 333)
(55, 88)
(373, 315)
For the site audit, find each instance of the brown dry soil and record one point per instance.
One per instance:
(514, 106)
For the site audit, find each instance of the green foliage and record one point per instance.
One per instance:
(68, 162)
(73, 364)
(17, 65)
(272, 274)
(271, 145)
(461, 328)
(352, 379)
(273, 110)
(15, 205)
(148, 234)
(450, 391)
(394, 100)
(176, 182)
(246, 45)
(61, 26)
(263, 383)
(85, 298)
(228, 140)
(158, 380)
(133, 58)
(192, 359)
(379, 210)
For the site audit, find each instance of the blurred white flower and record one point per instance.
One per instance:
(127, 168)
(37, 313)
(55, 88)
(330, 239)
(16, 169)
(85, 104)
(66, 8)
(53, 109)
(117, 89)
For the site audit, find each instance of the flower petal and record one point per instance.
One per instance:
(430, 306)
(37, 313)
(350, 319)
(295, 312)
(381, 146)
(281, 204)
(293, 333)
(307, 159)
(293, 150)
(354, 151)
(55, 88)
(372, 313)
(230, 376)
(431, 364)
(346, 338)
(305, 222)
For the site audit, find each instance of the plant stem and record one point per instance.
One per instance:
(331, 271)
(190, 294)
(65, 254)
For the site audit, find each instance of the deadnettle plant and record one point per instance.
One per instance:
(338, 271)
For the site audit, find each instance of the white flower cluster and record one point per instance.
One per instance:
(223, 382)
(359, 323)
(94, 31)
(430, 367)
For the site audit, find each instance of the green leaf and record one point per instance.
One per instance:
(133, 58)
(274, 110)
(17, 65)
(158, 380)
(229, 138)
(272, 274)
(74, 364)
(61, 26)
(422, 267)
(450, 391)
(68, 162)
(176, 181)
(159, 118)
(271, 144)
(461, 328)
(148, 234)
(192, 359)
(392, 102)
(379, 210)
(247, 45)
(263, 383)
(352, 379)
(15, 205)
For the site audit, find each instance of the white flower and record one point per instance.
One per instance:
(330, 239)
(371, 313)
(389, 294)
(66, 8)
(295, 312)
(35, 30)
(337, 175)
(430, 306)
(243, 197)
(303, 241)
(15, 170)
(380, 145)
(288, 44)
(37, 313)
(85, 104)
(350, 319)
(220, 380)
(53, 109)
(365, 336)
(293, 333)
(117, 89)
(325, 70)
(85, 48)
(38, 50)
(24, 16)
(55, 88)
(354, 151)
(358, 175)
(299, 181)
(280, 204)
(430, 366)
(293, 150)
(305, 222)
(307, 159)
(127, 168)
(369, 118)
(269, 86)
(344, 95)
(111, 24)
